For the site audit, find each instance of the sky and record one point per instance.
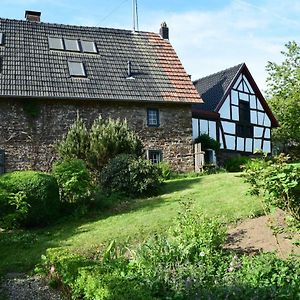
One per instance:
(208, 35)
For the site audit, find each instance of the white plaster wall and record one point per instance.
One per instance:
(230, 142)
(240, 144)
(228, 127)
(267, 146)
(249, 143)
(225, 109)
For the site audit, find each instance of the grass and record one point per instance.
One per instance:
(221, 195)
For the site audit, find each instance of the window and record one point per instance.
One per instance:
(69, 44)
(244, 128)
(1, 38)
(72, 45)
(152, 117)
(76, 69)
(244, 108)
(88, 47)
(56, 43)
(155, 156)
(2, 161)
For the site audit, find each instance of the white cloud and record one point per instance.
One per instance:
(209, 41)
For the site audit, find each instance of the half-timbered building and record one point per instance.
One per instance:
(234, 113)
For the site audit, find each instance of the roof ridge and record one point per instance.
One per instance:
(222, 71)
(72, 26)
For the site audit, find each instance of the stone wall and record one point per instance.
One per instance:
(29, 131)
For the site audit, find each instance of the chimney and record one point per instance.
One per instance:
(129, 72)
(164, 31)
(33, 16)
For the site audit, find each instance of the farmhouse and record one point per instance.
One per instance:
(234, 113)
(51, 72)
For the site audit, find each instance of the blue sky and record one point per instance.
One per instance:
(208, 35)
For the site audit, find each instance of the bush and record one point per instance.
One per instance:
(236, 163)
(165, 170)
(130, 175)
(278, 181)
(28, 198)
(105, 140)
(207, 142)
(73, 179)
(92, 280)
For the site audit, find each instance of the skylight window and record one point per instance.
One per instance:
(1, 38)
(72, 45)
(56, 43)
(76, 69)
(88, 47)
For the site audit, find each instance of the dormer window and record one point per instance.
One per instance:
(1, 39)
(71, 45)
(88, 47)
(56, 43)
(76, 69)
(152, 117)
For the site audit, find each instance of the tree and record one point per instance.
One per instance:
(284, 97)
(105, 140)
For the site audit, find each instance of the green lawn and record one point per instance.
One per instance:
(217, 195)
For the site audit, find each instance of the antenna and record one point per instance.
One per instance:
(135, 18)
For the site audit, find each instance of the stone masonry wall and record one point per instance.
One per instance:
(28, 140)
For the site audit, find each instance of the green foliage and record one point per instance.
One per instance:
(73, 179)
(28, 198)
(165, 170)
(275, 277)
(105, 140)
(108, 138)
(93, 280)
(236, 163)
(130, 175)
(76, 144)
(283, 94)
(207, 142)
(185, 263)
(278, 181)
(174, 266)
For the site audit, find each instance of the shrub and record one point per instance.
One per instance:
(28, 198)
(130, 175)
(165, 170)
(278, 181)
(105, 140)
(207, 142)
(236, 163)
(108, 138)
(92, 280)
(73, 180)
(76, 143)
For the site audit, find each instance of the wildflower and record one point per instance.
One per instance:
(202, 254)
(52, 269)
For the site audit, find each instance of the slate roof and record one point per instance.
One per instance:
(212, 88)
(30, 69)
(215, 88)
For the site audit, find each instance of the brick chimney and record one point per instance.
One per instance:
(164, 31)
(33, 16)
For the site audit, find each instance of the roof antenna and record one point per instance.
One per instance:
(135, 17)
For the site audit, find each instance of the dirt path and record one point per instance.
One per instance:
(19, 286)
(254, 235)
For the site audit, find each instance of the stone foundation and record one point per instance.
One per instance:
(28, 133)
